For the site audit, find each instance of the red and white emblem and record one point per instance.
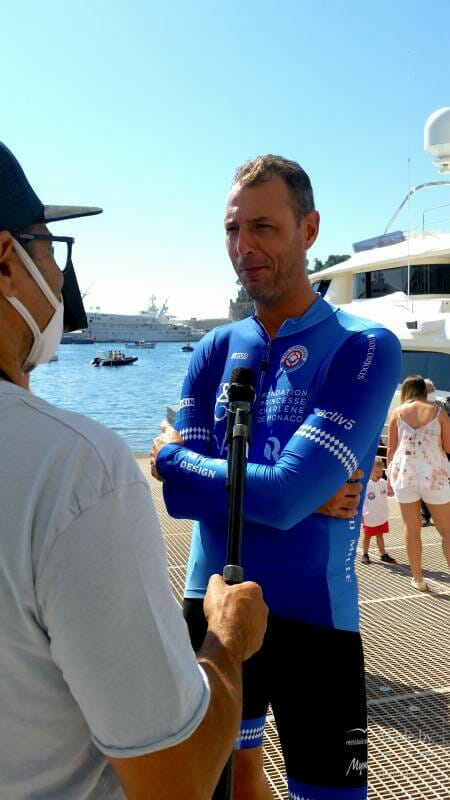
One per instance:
(293, 358)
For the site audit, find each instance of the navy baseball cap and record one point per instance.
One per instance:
(19, 204)
(19, 207)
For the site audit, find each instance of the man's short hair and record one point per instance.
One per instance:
(413, 388)
(262, 168)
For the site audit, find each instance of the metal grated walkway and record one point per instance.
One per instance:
(407, 652)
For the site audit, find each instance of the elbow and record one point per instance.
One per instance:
(287, 521)
(279, 516)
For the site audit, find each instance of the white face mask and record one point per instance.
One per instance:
(431, 397)
(45, 342)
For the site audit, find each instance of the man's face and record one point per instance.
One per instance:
(266, 241)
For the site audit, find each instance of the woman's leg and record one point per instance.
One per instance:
(441, 519)
(412, 529)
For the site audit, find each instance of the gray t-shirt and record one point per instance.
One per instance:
(94, 654)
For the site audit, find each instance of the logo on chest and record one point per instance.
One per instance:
(294, 358)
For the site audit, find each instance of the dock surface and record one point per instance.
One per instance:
(406, 638)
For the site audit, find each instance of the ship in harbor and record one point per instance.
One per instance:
(151, 325)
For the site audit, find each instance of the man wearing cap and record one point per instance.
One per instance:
(101, 696)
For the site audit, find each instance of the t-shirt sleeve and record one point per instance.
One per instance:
(115, 629)
(350, 408)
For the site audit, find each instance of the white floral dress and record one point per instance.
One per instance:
(419, 461)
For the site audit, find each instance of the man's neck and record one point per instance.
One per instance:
(290, 307)
(15, 343)
(13, 373)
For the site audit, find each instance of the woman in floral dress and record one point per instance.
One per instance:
(418, 439)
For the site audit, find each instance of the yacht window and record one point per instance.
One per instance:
(429, 365)
(361, 285)
(423, 279)
(321, 287)
(418, 280)
(439, 279)
(386, 281)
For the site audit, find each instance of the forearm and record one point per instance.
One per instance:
(196, 487)
(220, 727)
(390, 454)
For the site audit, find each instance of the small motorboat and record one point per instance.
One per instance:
(113, 359)
(187, 348)
(142, 344)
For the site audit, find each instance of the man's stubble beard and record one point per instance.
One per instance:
(269, 296)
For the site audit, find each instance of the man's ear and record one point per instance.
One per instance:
(311, 224)
(7, 265)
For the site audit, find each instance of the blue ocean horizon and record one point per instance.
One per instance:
(131, 400)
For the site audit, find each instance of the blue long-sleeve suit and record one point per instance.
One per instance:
(323, 387)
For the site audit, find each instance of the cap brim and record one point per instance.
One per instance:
(55, 213)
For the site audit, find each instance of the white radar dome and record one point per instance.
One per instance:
(436, 140)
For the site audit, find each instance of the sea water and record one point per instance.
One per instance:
(131, 400)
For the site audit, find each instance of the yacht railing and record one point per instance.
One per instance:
(434, 221)
(415, 189)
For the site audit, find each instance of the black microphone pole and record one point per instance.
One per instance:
(239, 414)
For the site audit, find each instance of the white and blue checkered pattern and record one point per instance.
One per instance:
(295, 796)
(250, 735)
(331, 443)
(189, 434)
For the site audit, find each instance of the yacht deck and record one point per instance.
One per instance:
(407, 647)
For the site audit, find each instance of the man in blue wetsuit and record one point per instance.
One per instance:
(324, 380)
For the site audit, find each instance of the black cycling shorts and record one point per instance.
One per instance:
(313, 677)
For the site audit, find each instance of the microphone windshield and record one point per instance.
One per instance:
(241, 385)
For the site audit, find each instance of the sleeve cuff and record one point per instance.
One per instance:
(168, 741)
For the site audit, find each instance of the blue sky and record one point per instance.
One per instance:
(146, 108)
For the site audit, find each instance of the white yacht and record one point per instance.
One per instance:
(149, 326)
(403, 280)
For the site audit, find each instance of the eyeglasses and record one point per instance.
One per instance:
(74, 313)
(61, 246)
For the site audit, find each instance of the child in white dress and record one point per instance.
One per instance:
(376, 514)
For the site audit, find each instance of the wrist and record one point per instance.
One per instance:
(221, 650)
(165, 456)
